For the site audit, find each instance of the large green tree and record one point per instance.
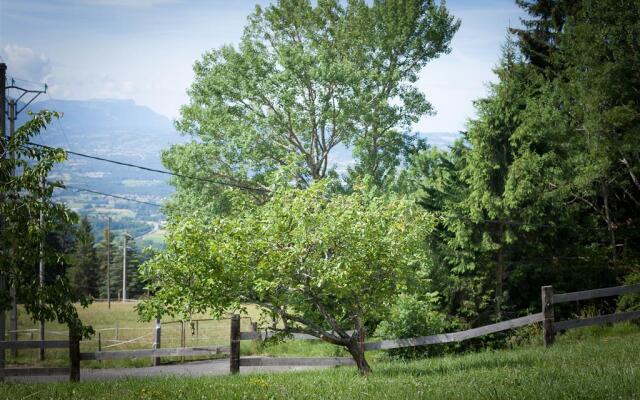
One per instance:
(305, 79)
(326, 264)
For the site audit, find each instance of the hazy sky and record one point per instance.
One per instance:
(144, 49)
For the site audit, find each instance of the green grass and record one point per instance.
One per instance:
(124, 317)
(154, 239)
(597, 366)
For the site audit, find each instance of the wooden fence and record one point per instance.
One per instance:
(550, 327)
(549, 299)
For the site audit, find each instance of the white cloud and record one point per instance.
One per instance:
(25, 63)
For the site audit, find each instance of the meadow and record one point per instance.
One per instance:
(120, 328)
(591, 363)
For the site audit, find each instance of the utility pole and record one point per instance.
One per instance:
(31, 94)
(41, 271)
(124, 268)
(13, 324)
(109, 263)
(3, 152)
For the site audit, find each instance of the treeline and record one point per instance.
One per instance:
(543, 187)
(87, 270)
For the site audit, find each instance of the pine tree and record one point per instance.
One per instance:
(84, 273)
(134, 259)
(102, 249)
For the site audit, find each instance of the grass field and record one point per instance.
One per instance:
(154, 239)
(599, 363)
(118, 324)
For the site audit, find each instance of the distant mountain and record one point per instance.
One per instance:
(127, 132)
(114, 129)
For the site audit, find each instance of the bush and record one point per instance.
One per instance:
(631, 301)
(412, 317)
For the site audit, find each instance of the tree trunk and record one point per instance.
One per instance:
(357, 352)
(500, 273)
(607, 217)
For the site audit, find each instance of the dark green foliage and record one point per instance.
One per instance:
(412, 317)
(543, 189)
(84, 274)
(135, 287)
(538, 40)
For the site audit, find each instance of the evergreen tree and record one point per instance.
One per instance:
(105, 269)
(84, 273)
(134, 286)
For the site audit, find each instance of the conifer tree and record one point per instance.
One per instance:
(84, 273)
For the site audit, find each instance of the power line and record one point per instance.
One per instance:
(159, 171)
(108, 195)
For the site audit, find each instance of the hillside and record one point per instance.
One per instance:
(118, 130)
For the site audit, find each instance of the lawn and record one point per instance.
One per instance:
(592, 364)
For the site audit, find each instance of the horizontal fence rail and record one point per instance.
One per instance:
(176, 352)
(455, 336)
(295, 361)
(595, 293)
(599, 320)
(35, 344)
(266, 335)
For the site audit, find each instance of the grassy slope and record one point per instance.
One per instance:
(603, 365)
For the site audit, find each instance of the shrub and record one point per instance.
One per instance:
(631, 301)
(411, 317)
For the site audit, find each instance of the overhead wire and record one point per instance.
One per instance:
(159, 171)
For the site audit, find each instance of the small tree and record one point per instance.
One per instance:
(22, 198)
(327, 265)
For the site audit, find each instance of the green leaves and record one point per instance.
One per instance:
(23, 197)
(305, 79)
(304, 251)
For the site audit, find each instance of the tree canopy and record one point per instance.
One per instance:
(305, 80)
(321, 263)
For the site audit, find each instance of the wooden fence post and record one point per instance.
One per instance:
(74, 356)
(156, 343)
(234, 359)
(548, 332)
(182, 338)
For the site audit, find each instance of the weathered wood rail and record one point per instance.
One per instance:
(75, 356)
(153, 353)
(550, 326)
(36, 344)
(455, 336)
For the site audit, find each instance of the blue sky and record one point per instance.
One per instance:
(144, 50)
